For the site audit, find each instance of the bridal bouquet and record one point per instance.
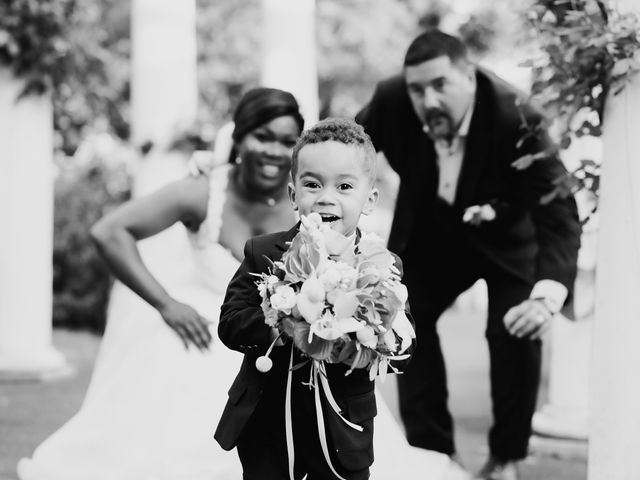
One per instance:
(338, 302)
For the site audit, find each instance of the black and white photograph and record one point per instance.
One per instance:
(319, 240)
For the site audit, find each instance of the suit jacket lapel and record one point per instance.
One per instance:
(283, 242)
(476, 149)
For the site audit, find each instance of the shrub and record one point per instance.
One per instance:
(88, 184)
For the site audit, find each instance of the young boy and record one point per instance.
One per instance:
(333, 172)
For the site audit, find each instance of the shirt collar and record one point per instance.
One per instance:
(466, 121)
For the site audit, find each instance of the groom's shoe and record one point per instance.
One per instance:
(496, 469)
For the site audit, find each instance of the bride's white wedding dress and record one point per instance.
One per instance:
(152, 406)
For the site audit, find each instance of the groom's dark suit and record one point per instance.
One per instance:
(253, 419)
(443, 256)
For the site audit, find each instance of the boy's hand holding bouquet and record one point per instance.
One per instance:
(338, 301)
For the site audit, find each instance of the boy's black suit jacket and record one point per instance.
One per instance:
(528, 239)
(242, 328)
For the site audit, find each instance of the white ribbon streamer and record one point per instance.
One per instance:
(317, 370)
(287, 420)
(321, 432)
(319, 366)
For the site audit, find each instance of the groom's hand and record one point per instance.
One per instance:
(187, 323)
(530, 319)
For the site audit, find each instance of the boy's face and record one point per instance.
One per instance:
(331, 180)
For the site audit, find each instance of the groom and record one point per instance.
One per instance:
(464, 212)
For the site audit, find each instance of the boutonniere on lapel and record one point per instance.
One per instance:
(477, 214)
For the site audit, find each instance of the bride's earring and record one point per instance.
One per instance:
(237, 160)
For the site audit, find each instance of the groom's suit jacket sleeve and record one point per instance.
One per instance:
(402, 364)
(557, 223)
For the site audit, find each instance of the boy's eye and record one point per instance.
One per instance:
(345, 186)
(310, 184)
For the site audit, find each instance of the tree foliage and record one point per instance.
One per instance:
(74, 50)
(587, 51)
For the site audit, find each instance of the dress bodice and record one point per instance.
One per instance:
(214, 264)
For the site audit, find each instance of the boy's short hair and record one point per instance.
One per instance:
(339, 130)
(433, 44)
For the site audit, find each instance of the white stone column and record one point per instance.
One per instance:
(26, 241)
(289, 51)
(164, 98)
(614, 433)
(164, 88)
(561, 425)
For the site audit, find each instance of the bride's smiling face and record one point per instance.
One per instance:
(265, 154)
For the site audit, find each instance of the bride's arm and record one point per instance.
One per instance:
(116, 235)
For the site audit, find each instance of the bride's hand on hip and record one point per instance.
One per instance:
(187, 323)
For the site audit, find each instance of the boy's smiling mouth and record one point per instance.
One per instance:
(329, 217)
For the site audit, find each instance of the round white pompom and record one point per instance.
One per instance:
(264, 364)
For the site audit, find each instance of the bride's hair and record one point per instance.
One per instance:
(259, 106)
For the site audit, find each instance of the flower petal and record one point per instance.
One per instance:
(349, 324)
(402, 326)
(345, 303)
(367, 336)
(312, 288)
(309, 310)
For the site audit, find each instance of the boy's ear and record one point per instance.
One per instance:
(291, 190)
(372, 201)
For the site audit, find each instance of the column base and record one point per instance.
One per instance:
(557, 422)
(44, 365)
(560, 432)
(563, 448)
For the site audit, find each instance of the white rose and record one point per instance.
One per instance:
(400, 291)
(367, 336)
(348, 274)
(284, 298)
(330, 277)
(370, 241)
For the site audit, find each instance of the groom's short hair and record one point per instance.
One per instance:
(339, 130)
(433, 44)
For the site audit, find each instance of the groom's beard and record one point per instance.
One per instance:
(440, 125)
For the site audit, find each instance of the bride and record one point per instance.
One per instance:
(161, 377)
